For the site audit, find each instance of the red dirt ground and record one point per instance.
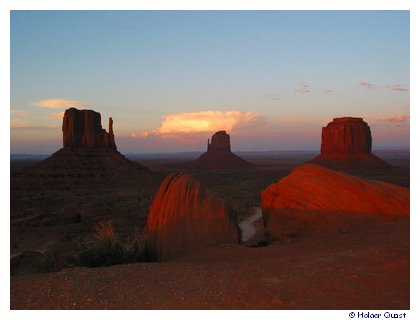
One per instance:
(365, 267)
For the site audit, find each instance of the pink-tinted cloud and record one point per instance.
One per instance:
(24, 120)
(327, 91)
(19, 113)
(365, 84)
(398, 118)
(396, 87)
(303, 88)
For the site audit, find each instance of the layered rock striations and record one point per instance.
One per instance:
(314, 198)
(346, 136)
(312, 187)
(347, 142)
(219, 154)
(89, 153)
(185, 216)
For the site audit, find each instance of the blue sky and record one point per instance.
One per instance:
(271, 78)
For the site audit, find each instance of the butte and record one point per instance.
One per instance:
(347, 144)
(219, 155)
(89, 153)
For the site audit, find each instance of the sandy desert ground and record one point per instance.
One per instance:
(359, 263)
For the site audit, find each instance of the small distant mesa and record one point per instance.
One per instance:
(219, 155)
(89, 153)
(347, 143)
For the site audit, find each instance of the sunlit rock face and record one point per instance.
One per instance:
(347, 142)
(346, 136)
(185, 216)
(82, 128)
(312, 187)
(219, 155)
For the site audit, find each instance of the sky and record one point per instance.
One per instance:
(170, 79)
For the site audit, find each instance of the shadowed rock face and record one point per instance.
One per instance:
(347, 142)
(185, 216)
(219, 155)
(220, 141)
(82, 128)
(89, 154)
(312, 187)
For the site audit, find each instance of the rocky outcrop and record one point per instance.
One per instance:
(220, 141)
(316, 199)
(89, 154)
(347, 142)
(252, 228)
(185, 216)
(346, 136)
(312, 187)
(82, 128)
(219, 155)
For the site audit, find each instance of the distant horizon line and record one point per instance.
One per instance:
(237, 151)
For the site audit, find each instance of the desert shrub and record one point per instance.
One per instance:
(104, 230)
(108, 249)
(104, 253)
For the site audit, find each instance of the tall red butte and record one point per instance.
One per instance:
(89, 153)
(185, 216)
(82, 128)
(347, 142)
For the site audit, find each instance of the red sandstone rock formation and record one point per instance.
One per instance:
(82, 128)
(89, 154)
(219, 155)
(184, 216)
(312, 187)
(345, 136)
(347, 142)
(220, 141)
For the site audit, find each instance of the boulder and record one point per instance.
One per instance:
(320, 189)
(314, 198)
(252, 229)
(185, 216)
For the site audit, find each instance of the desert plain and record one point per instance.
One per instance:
(328, 261)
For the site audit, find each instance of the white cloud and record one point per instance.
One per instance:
(57, 103)
(203, 122)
